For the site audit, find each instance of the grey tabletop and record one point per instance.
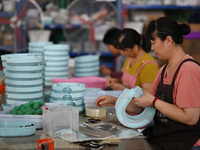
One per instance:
(30, 143)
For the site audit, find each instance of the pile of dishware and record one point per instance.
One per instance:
(23, 77)
(68, 94)
(37, 47)
(56, 57)
(87, 65)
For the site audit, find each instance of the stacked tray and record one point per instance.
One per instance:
(68, 94)
(87, 65)
(23, 78)
(56, 57)
(37, 47)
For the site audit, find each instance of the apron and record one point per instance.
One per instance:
(167, 134)
(128, 79)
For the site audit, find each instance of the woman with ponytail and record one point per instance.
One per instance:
(175, 93)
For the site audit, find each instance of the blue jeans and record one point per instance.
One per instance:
(195, 148)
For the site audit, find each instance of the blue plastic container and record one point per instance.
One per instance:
(17, 128)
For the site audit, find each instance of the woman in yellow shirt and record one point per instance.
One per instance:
(140, 67)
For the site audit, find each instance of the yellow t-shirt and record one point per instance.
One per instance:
(147, 73)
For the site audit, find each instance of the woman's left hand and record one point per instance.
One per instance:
(145, 101)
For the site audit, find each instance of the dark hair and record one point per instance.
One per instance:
(111, 36)
(164, 27)
(146, 44)
(130, 37)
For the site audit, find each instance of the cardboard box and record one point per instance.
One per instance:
(194, 26)
(8, 39)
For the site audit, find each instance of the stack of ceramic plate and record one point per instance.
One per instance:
(68, 94)
(87, 65)
(23, 78)
(4, 57)
(56, 57)
(37, 47)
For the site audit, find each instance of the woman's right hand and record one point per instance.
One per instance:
(106, 100)
(111, 81)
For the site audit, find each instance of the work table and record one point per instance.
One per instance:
(30, 142)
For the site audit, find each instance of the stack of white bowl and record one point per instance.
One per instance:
(37, 47)
(68, 94)
(56, 57)
(87, 65)
(23, 77)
